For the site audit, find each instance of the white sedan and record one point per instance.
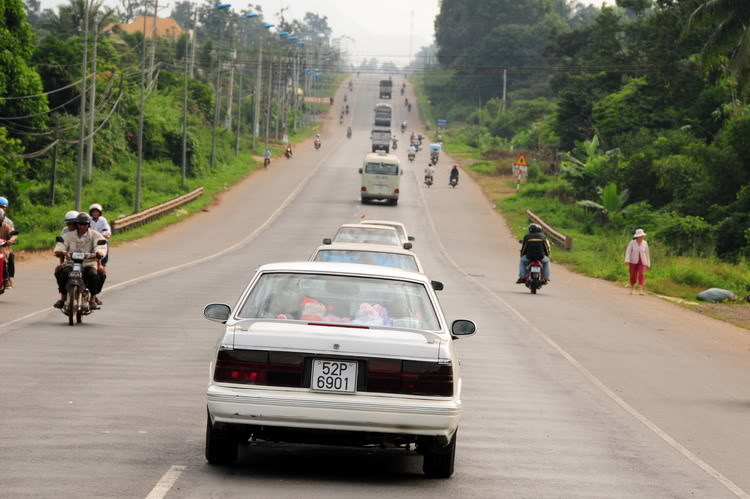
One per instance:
(336, 354)
(400, 228)
(372, 254)
(368, 234)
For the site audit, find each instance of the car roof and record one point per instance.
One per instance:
(354, 269)
(387, 223)
(369, 226)
(379, 248)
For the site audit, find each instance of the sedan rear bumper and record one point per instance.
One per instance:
(323, 411)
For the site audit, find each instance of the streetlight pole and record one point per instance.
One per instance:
(217, 91)
(82, 112)
(139, 167)
(239, 91)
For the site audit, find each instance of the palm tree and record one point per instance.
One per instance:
(730, 37)
(68, 19)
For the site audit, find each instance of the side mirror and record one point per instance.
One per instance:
(463, 327)
(407, 246)
(360, 170)
(327, 241)
(217, 312)
(59, 239)
(437, 285)
(411, 238)
(101, 242)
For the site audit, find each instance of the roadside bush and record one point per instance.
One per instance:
(639, 215)
(687, 235)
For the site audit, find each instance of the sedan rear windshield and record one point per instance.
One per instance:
(396, 260)
(367, 235)
(346, 300)
(381, 169)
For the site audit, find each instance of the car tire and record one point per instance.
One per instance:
(365, 200)
(221, 448)
(393, 202)
(439, 461)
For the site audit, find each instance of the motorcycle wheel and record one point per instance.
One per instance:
(79, 317)
(533, 290)
(72, 293)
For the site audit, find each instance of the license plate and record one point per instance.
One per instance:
(536, 269)
(334, 376)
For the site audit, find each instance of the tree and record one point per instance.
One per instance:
(730, 38)
(127, 10)
(316, 27)
(17, 78)
(68, 20)
(183, 13)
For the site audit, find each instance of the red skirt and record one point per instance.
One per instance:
(637, 273)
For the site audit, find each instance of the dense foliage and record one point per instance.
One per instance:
(647, 97)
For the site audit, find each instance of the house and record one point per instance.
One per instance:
(165, 27)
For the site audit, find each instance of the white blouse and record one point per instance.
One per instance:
(635, 250)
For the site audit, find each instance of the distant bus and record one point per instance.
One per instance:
(383, 113)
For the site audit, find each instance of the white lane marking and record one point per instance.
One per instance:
(242, 242)
(726, 482)
(167, 481)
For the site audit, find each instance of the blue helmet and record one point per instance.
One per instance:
(4, 202)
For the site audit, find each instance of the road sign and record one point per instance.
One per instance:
(520, 169)
(442, 123)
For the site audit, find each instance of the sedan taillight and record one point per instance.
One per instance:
(258, 367)
(410, 377)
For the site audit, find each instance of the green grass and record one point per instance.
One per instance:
(599, 251)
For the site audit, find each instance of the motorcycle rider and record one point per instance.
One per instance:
(394, 140)
(100, 225)
(454, 174)
(5, 230)
(411, 152)
(288, 151)
(70, 222)
(429, 172)
(83, 239)
(535, 248)
(316, 140)
(403, 126)
(11, 257)
(266, 157)
(349, 133)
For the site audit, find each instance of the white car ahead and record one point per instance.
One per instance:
(368, 234)
(371, 254)
(400, 228)
(336, 354)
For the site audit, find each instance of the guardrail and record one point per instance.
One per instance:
(557, 237)
(140, 218)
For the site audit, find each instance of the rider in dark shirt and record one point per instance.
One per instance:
(454, 173)
(535, 248)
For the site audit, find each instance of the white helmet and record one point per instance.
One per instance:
(2, 215)
(96, 206)
(70, 217)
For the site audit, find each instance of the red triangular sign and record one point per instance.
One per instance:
(521, 161)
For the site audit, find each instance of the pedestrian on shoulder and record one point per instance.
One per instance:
(638, 259)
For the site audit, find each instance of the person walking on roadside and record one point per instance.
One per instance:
(638, 259)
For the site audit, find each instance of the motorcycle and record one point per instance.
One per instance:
(345, 98)
(402, 90)
(349, 133)
(266, 162)
(409, 107)
(317, 144)
(288, 154)
(533, 279)
(351, 85)
(395, 145)
(454, 182)
(428, 180)
(347, 109)
(403, 128)
(77, 302)
(3, 264)
(406, 102)
(341, 120)
(411, 157)
(434, 157)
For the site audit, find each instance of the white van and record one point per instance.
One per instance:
(381, 178)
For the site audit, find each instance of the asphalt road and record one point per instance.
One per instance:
(581, 390)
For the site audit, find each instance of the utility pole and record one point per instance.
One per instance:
(411, 36)
(239, 97)
(153, 41)
(257, 98)
(92, 108)
(185, 112)
(270, 92)
(82, 110)
(139, 166)
(217, 107)
(505, 86)
(230, 96)
(195, 41)
(53, 177)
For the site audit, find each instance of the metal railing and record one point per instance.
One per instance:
(557, 237)
(142, 217)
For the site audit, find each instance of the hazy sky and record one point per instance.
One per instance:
(380, 28)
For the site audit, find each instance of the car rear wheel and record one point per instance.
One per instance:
(221, 448)
(439, 461)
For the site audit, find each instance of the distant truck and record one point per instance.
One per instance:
(386, 88)
(381, 139)
(383, 114)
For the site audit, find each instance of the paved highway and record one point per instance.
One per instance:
(581, 390)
